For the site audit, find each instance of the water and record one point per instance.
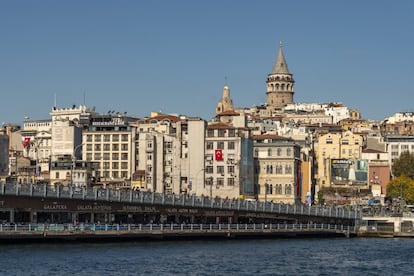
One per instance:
(355, 256)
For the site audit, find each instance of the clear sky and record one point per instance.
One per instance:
(175, 56)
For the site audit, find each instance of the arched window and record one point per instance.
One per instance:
(279, 189)
(279, 152)
(270, 189)
(288, 151)
(279, 169)
(288, 189)
(288, 168)
(269, 152)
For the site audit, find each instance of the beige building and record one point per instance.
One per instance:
(37, 141)
(170, 150)
(228, 162)
(277, 168)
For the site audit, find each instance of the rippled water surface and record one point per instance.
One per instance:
(355, 256)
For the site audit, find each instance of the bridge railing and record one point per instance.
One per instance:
(145, 197)
(20, 229)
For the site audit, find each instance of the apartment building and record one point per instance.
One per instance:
(277, 168)
(339, 161)
(228, 162)
(170, 150)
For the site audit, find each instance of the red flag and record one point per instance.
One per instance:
(219, 155)
(26, 142)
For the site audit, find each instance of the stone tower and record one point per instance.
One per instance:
(279, 83)
(225, 103)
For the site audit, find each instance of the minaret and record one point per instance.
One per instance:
(225, 104)
(279, 83)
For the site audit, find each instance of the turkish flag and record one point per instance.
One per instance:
(26, 142)
(219, 155)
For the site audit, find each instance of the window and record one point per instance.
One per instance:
(115, 147)
(230, 169)
(220, 169)
(279, 152)
(88, 138)
(288, 189)
(124, 165)
(269, 169)
(230, 145)
(289, 152)
(220, 181)
(209, 181)
(107, 147)
(221, 132)
(124, 138)
(124, 156)
(124, 147)
(97, 138)
(106, 156)
(209, 169)
(97, 147)
(269, 152)
(115, 166)
(220, 145)
(279, 169)
(210, 145)
(115, 156)
(329, 141)
(210, 132)
(230, 181)
(288, 169)
(279, 189)
(106, 138)
(345, 142)
(232, 133)
(97, 156)
(88, 147)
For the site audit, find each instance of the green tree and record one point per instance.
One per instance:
(404, 165)
(402, 186)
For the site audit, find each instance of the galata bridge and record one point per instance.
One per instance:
(68, 212)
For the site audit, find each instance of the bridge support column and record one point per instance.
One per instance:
(33, 217)
(11, 215)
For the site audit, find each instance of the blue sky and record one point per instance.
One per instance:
(175, 56)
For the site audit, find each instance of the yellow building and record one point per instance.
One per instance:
(339, 163)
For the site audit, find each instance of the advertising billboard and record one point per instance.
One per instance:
(349, 171)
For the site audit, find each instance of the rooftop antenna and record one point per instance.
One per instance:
(54, 103)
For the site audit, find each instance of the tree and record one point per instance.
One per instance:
(403, 187)
(404, 165)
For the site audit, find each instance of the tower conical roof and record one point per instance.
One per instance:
(280, 66)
